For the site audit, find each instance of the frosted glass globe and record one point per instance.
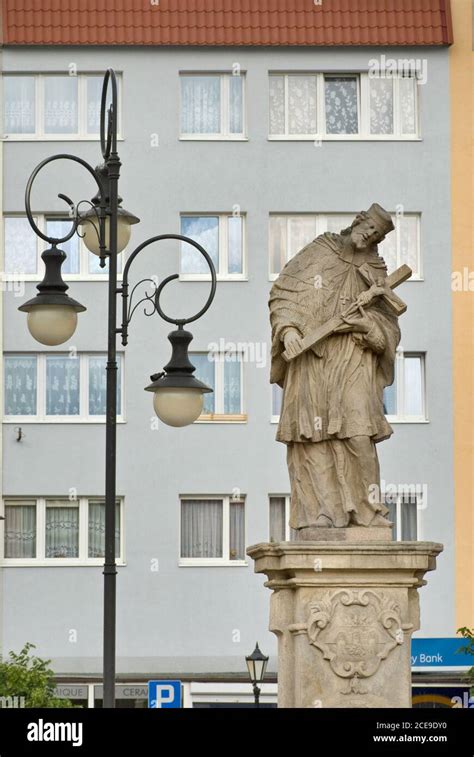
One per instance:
(52, 324)
(90, 229)
(178, 406)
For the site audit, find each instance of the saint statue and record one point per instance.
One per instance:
(334, 339)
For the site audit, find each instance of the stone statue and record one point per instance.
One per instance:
(335, 332)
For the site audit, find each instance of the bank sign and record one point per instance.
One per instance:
(440, 653)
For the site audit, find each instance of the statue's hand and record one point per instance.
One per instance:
(360, 323)
(292, 342)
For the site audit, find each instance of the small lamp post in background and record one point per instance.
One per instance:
(256, 666)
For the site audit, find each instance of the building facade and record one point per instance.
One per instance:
(252, 149)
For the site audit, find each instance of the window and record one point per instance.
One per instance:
(342, 106)
(279, 516)
(222, 236)
(58, 531)
(22, 250)
(404, 400)
(403, 513)
(212, 530)
(222, 372)
(57, 387)
(277, 397)
(52, 106)
(289, 233)
(212, 106)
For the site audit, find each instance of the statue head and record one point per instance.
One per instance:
(370, 227)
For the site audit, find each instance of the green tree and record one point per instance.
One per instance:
(25, 675)
(468, 633)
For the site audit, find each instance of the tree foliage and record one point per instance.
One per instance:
(468, 634)
(27, 676)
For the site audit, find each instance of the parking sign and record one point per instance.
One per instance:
(164, 694)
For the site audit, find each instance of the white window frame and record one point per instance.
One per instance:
(224, 135)
(419, 520)
(322, 226)
(41, 560)
(400, 388)
(363, 104)
(219, 416)
(41, 245)
(225, 560)
(83, 416)
(223, 270)
(287, 498)
(82, 134)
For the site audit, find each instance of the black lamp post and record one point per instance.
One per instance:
(256, 666)
(52, 320)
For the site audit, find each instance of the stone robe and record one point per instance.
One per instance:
(332, 409)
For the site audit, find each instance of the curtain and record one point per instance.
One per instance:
(205, 371)
(237, 531)
(232, 393)
(20, 531)
(390, 399)
(236, 105)
(391, 503)
(98, 385)
(20, 385)
(62, 385)
(20, 246)
(409, 525)
(381, 105)
(277, 519)
(200, 104)
(60, 105)
(408, 233)
(19, 104)
(302, 105)
(59, 227)
(201, 528)
(407, 104)
(338, 221)
(277, 104)
(234, 233)
(413, 395)
(302, 231)
(277, 235)
(205, 231)
(94, 96)
(96, 529)
(341, 105)
(388, 248)
(62, 530)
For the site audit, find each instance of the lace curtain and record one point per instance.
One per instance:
(20, 246)
(201, 528)
(96, 529)
(405, 236)
(60, 105)
(407, 104)
(205, 231)
(234, 235)
(62, 530)
(19, 104)
(277, 519)
(94, 95)
(200, 104)
(62, 385)
(232, 394)
(20, 385)
(381, 105)
(302, 101)
(236, 110)
(237, 534)
(341, 105)
(277, 104)
(20, 531)
(98, 385)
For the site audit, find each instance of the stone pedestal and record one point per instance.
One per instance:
(344, 613)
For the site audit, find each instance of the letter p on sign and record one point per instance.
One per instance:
(164, 694)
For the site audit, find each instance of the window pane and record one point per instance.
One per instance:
(388, 247)
(232, 393)
(96, 529)
(277, 519)
(62, 529)
(20, 246)
(341, 105)
(413, 386)
(201, 528)
(236, 104)
(19, 104)
(20, 385)
(408, 231)
(390, 399)
(205, 231)
(381, 105)
(94, 265)
(277, 104)
(302, 104)
(59, 227)
(336, 222)
(408, 104)
(60, 105)
(302, 231)
(200, 104)
(20, 530)
(278, 246)
(237, 531)
(408, 512)
(62, 385)
(205, 371)
(391, 503)
(98, 385)
(234, 232)
(277, 396)
(94, 95)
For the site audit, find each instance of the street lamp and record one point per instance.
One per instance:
(256, 666)
(52, 319)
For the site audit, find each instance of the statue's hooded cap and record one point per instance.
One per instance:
(380, 217)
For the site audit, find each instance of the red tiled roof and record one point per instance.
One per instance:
(226, 22)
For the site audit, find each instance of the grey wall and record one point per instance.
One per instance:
(182, 619)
